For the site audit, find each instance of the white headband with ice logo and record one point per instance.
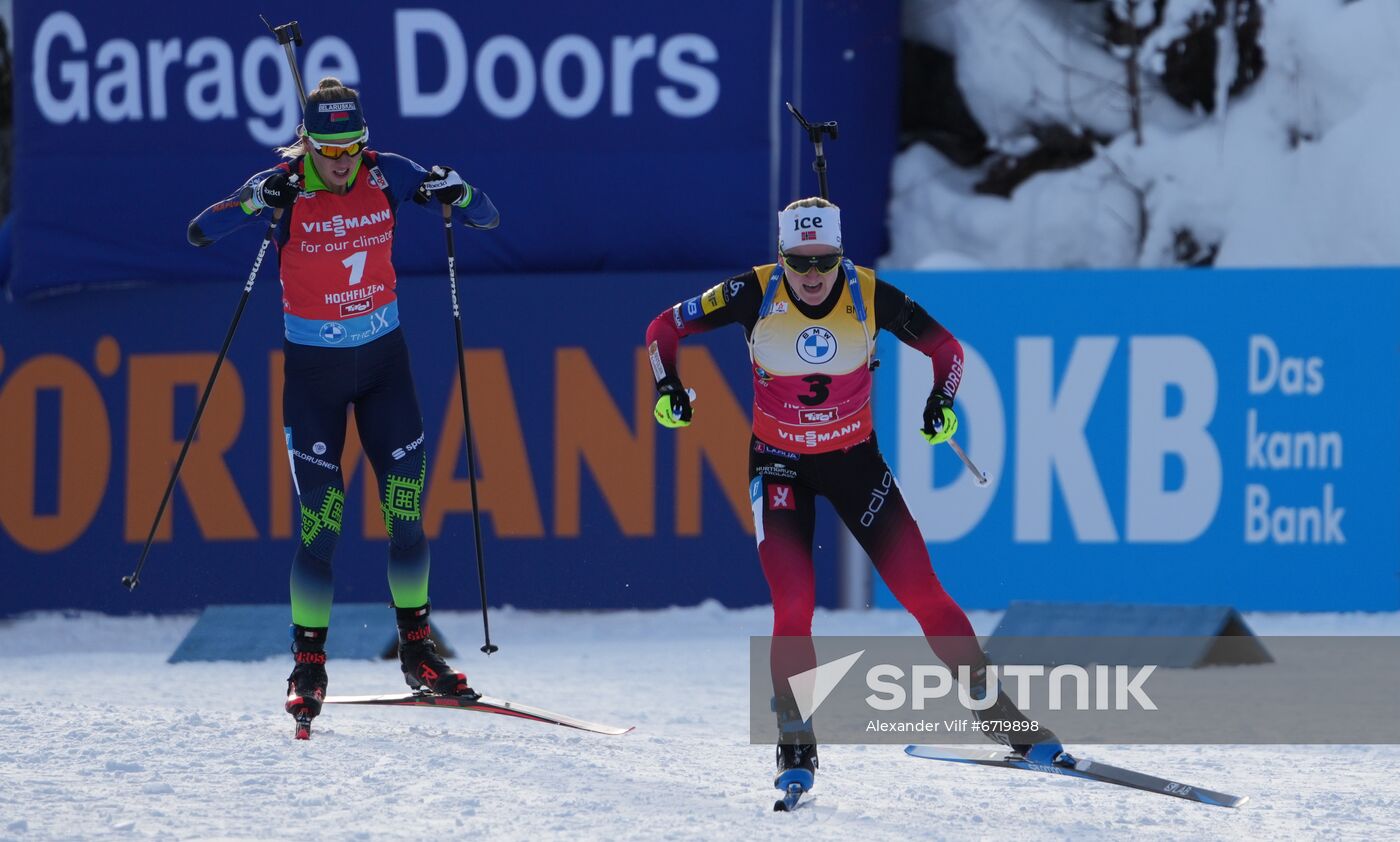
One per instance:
(809, 226)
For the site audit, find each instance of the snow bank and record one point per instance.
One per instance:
(1301, 170)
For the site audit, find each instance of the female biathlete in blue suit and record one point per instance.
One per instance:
(343, 347)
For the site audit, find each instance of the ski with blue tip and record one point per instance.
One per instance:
(1085, 769)
(790, 800)
(793, 784)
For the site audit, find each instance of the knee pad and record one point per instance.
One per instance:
(322, 512)
(402, 496)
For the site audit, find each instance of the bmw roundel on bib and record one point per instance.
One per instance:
(816, 345)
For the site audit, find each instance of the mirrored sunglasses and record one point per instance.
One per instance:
(335, 150)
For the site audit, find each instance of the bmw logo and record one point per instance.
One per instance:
(816, 345)
(332, 332)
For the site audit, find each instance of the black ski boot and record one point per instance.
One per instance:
(797, 763)
(1037, 744)
(423, 667)
(796, 756)
(306, 686)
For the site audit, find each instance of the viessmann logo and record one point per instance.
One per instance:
(812, 438)
(339, 225)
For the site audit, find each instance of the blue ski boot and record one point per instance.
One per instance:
(796, 757)
(797, 765)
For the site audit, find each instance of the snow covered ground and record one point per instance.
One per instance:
(1239, 179)
(99, 737)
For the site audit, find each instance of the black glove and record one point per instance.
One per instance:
(673, 407)
(445, 185)
(940, 422)
(277, 191)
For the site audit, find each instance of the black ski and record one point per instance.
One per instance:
(480, 704)
(1086, 769)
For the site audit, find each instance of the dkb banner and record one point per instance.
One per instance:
(622, 136)
(1222, 437)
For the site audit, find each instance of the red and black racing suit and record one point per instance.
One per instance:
(813, 436)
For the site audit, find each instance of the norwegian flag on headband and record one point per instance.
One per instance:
(809, 235)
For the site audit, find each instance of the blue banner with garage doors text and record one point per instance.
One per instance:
(631, 135)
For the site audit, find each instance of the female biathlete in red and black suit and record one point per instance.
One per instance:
(343, 347)
(811, 322)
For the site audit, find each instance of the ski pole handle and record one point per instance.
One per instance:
(977, 474)
(289, 36)
(677, 413)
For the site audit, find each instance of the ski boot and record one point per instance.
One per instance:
(797, 771)
(796, 757)
(423, 668)
(306, 686)
(1036, 744)
(1039, 745)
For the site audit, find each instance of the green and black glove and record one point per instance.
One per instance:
(673, 407)
(940, 421)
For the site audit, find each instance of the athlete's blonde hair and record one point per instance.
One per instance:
(811, 202)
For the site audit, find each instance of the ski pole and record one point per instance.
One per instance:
(979, 475)
(488, 647)
(287, 34)
(134, 579)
